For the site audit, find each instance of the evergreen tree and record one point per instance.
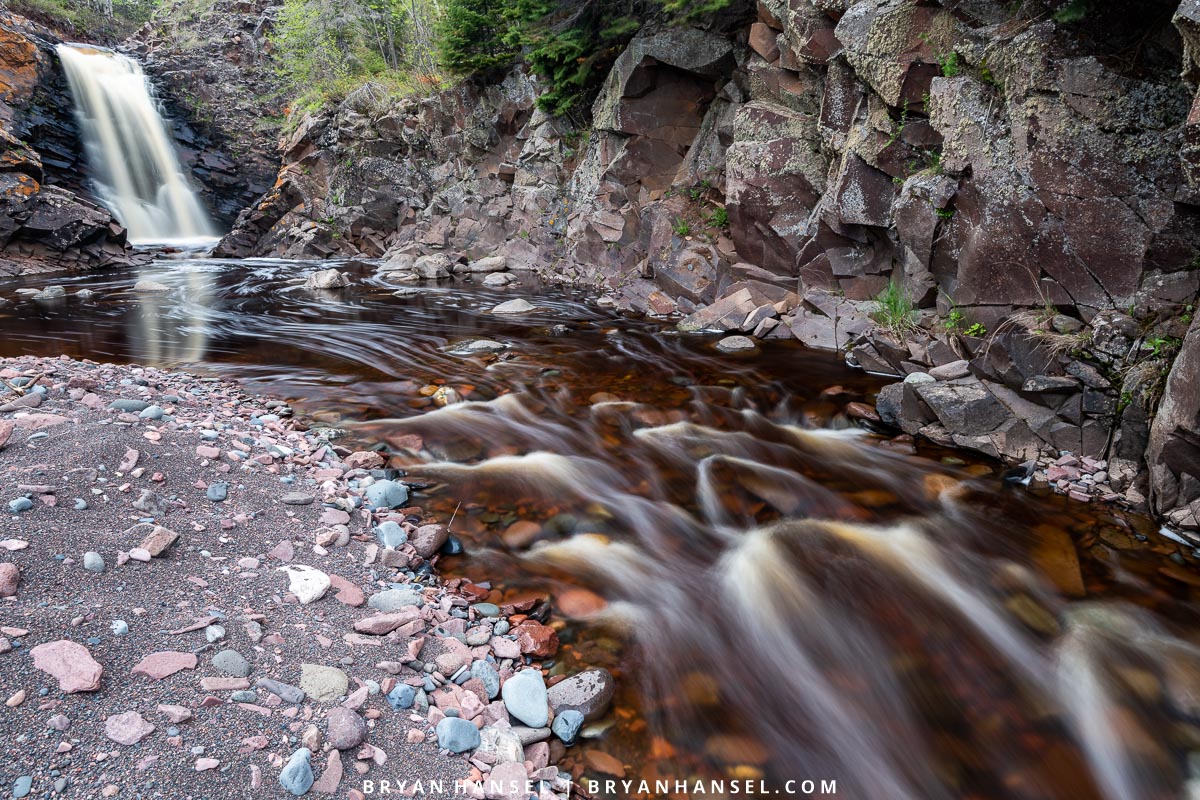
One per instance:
(472, 36)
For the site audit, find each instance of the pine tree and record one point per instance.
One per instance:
(472, 36)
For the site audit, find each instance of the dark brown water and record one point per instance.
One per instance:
(783, 595)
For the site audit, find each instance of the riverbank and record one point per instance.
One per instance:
(196, 589)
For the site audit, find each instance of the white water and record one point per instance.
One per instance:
(136, 171)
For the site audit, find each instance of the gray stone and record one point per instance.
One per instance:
(285, 692)
(217, 492)
(326, 279)
(566, 725)
(502, 744)
(526, 699)
(457, 735)
(488, 675)
(130, 406)
(93, 561)
(589, 692)
(390, 534)
(518, 306)
(387, 494)
(951, 371)
(297, 775)
(231, 662)
(736, 344)
(394, 599)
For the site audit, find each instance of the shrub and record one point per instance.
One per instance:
(895, 311)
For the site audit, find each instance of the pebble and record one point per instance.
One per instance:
(308, 584)
(19, 505)
(390, 534)
(93, 561)
(231, 662)
(344, 729)
(457, 735)
(566, 725)
(526, 699)
(217, 492)
(387, 494)
(22, 786)
(297, 775)
(323, 683)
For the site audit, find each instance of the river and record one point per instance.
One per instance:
(783, 594)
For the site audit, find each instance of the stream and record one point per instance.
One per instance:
(786, 598)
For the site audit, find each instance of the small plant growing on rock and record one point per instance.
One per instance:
(976, 329)
(720, 218)
(895, 311)
(681, 227)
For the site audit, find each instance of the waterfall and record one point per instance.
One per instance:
(136, 172)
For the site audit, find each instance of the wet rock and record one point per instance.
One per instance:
(526, 699)
(497, 279)
(432, 267)
(736, 344)
(326, 279)
(536, 639)
(457, 735)
(149, 286)
(387, 494)
(70, 664)
(501, 744)
(567, 724)
(488, 675)
(428, 539)
(589, 692)
(517, 306)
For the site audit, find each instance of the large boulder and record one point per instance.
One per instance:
(1173, 454)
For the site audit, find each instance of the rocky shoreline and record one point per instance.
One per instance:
(200, 595)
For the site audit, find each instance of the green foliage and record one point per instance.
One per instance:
(1162, 345)
(471, 35)
(93, 20)
(328, 48)
(950, 64)
(977, 329)
(692, 10)
(955, 321)
(681, 227)
(719, 218)
(944, 213)
(1073, 11)
(894, 310)
(571, 45)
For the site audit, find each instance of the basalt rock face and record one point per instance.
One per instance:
(774, 177)
(47, 221)
(1174, 446)
(212, 66)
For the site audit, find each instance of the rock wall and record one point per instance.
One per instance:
(47, 220)
(211, 64)
(1029, 184)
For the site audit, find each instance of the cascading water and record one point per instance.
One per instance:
(137, 173)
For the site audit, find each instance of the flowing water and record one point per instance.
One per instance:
(136, 170)
(784, 596)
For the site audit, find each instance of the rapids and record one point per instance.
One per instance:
(783, 595)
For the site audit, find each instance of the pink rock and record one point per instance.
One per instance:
(334, 516)
(364, 459)
(128, 728)
(332, 776)
(175, 714)
(167, 662)
(224, 684)
(130, 461)
(205, 451)
(507, 781)
(158, 541)
(205, 764)
(283, 551)
(10, 577)
(347, 592)
(70, 663)
(505, 648)
(380, 624)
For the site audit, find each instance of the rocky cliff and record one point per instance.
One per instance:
(47, 219)
(1026, 179)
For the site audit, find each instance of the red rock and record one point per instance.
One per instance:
(282, 551)
(167, 662)
(175, 714)
(579, 603)
(604, 763)
(536, 639)
(364, 459)
(862, 411)
(331, 777)
(10, 578)
(70, 663)
(128, 728)
(764, 41)
(158, 541)
(334, 516)
(206, 451)
(129, 461)
(6, 430)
